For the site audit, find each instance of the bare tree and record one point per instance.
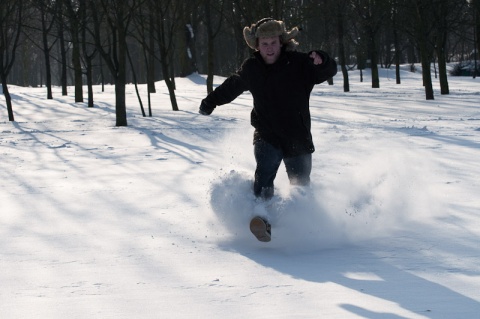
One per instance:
(212, 32)
(111, 22)
(395, 13)
(10, 30)
(422, 32)
(341, 9)
(236, 23)
(447, 14)
(185, 36)
(166, 24)
(89, 49)
(371, 15)
(46, 12)
(475, 4)
(74, 27)
(62, 46)
(144, 33)
(354, 31)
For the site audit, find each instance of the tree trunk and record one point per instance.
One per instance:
(10, 28)
(477, 30)
(442, 68)
(46, 53)
(63, 74)
(151, 58)
(8, 98)
(441, 43)
(210, 65)
(121, 76)
(422, 43)
(341, 48)
(120, 104)
(170, 85)
(374, 62)
(116, 54)
(77, 67)
(165, 56)
(63, 51)
(76, 54)
(135, 81)
(397, 56)
(427, 78)
(184, 40)
(210, 47)
(89, 67)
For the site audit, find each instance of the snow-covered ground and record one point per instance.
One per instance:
(151, 220)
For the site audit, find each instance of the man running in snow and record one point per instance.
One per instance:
(280, 80)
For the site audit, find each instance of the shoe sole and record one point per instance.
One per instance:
(258, 227)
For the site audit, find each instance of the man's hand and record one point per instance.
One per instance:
(204, 109)
(317, 58)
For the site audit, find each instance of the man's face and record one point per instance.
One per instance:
(270, 49)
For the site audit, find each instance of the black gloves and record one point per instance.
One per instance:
(205, 109)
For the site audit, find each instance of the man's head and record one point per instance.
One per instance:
(268, 36)
(269, 48)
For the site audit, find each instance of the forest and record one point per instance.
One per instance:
(80, 43)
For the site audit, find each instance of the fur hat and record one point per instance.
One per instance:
(267, 28)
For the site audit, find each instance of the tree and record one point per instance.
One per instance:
(185, 36)
(371, 14)
(10, 30)
(395, 13)
(341, 10)
(476, 25)
(111, 21)
(62, 46)
(167, 14)
(381, 32)
(235, 23)
(88, 48)
(422, 32)
(74, 27)
(212, 32)
(144, 25)
(447, 15)
(47, 14)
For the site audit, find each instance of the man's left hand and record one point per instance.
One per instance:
(317, 58)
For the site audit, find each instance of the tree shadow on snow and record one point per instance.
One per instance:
(364, 272)
(308, 245)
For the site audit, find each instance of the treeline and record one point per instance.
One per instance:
(87, 42)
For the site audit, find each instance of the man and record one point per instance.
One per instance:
(280, 81)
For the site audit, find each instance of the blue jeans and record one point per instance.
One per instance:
(268, 159)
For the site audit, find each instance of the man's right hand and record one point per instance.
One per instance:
(205, 109)
(316, 57)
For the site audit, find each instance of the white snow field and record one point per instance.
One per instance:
(151, 220)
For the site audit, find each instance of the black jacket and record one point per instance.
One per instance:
(281, 94)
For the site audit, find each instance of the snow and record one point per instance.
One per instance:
(151, 220)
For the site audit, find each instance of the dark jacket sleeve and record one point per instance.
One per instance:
(326, 70)
(228, 91)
